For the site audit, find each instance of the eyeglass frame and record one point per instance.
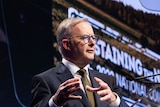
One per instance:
(86, 38)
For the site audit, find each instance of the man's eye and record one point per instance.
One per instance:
(93, 37)
(86, 37)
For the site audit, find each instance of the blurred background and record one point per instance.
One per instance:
(28, 45)
(26, 49)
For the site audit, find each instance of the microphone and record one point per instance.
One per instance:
(144, 77)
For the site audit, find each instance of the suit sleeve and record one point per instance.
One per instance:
(40, 92)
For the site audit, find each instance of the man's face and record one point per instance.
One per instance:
(82, 52)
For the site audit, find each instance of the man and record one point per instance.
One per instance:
(62, 85)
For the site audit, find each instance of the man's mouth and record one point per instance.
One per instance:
(90, 51)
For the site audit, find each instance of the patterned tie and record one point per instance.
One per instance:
(85, 81)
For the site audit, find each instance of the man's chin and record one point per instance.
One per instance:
(90, 58)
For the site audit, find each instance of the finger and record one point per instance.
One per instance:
(70, 81)
(106, 98)
(102, 92)
(71, 97)
(101, 83)
(98, 79)
(91, 89)
(71, 87)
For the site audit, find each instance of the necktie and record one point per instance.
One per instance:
(85, 81)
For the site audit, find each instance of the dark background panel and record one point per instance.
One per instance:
(28, 26)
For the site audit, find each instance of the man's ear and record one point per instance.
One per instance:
(65, 44)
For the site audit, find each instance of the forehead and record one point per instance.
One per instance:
(82, 28)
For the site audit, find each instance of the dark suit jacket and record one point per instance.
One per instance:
(44, 86)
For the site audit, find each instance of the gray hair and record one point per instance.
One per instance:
(65, 28)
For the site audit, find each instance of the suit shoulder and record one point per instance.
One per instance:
(50, 72)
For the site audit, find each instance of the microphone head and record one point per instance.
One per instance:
(130, 77)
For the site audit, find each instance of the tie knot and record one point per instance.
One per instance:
(82, 72)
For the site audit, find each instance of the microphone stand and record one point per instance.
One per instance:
(150, 90)
(142, 97)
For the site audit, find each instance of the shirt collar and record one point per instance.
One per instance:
(72, 67)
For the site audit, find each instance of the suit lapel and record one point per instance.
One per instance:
(84, 99)
(63, 75)
(94, 84)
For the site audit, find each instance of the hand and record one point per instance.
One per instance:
(103, 90)
(65, 91)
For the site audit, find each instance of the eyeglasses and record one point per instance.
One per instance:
(87, 38)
